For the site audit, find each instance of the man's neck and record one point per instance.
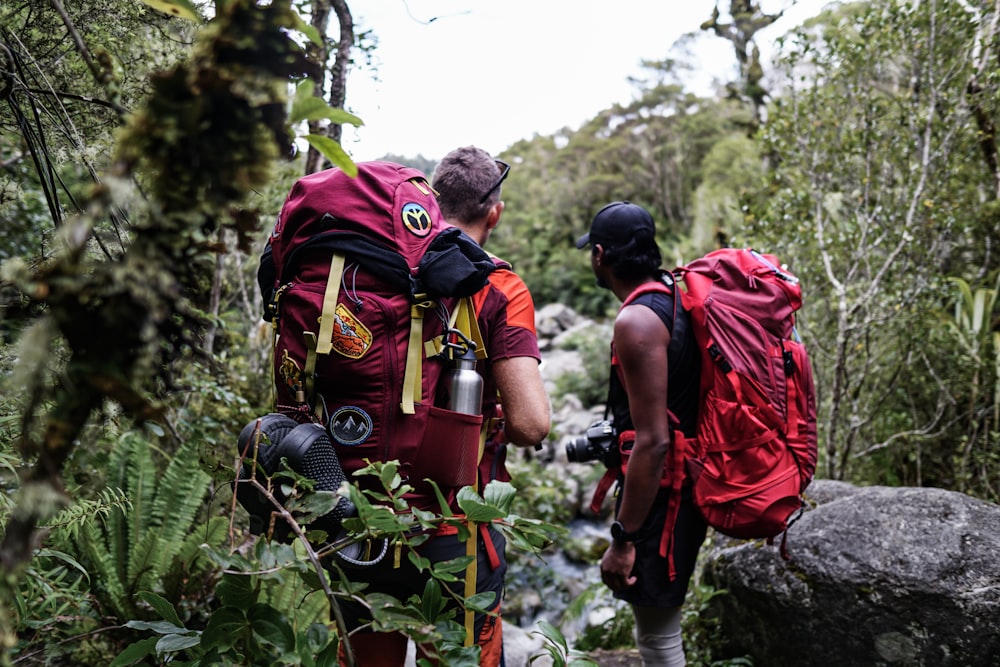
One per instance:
(475, 231)
(623, 288)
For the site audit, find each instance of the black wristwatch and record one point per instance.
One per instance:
(619, 534)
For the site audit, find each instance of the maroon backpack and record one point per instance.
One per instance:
(755, 448)
(363, 279)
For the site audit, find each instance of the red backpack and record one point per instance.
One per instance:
(755, 448)
(363, 280)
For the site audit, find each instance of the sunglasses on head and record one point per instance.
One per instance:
(504, 170)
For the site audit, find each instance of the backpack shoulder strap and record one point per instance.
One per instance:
(500, 263)
(666, 285)
(647, 288)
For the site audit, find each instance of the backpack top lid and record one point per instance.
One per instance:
(387, 202)
(746, 280)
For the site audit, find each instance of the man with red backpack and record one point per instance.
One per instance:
(654, 378)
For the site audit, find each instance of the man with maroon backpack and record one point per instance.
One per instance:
(468, 183)
(655, 368)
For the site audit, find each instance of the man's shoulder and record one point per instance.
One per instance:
(501, 264)
(504, 277)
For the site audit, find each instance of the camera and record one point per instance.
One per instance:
(599, 443)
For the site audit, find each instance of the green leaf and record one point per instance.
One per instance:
(135, 652)
(317, 636)
(500, 495)
(389, 475)
(332, 151)
(271, 627)
(180, 8)
(315, 505)
(483, 603)
(223, 629)
(328, 656)
(418, 561)
(444, 505)
(236, 591)
(310, 32)
(475, 508)
(162, 607)
(159, 627)
(432, 601)
(174, 643)
(316, 108)
(454, 565)
(552, 635)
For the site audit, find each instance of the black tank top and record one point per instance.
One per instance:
(684, 368)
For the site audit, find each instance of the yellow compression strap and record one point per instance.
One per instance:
(413, 376)
(329, 313)
(274, 347)
(309, 372)
(471, 570)
(464, 319)
(471, 575)
(324, 342)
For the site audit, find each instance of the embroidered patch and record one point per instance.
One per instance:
(416, 219)
(351, 338)
(290, 372)
(350, 425)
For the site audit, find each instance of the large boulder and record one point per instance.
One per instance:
(877, 576)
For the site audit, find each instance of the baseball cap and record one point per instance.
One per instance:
(616, 224)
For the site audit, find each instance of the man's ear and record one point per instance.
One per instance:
(493, 217)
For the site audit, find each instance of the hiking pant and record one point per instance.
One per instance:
(654, 588)
(658, 636)
(373, 649)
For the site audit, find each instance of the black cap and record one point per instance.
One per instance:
(616, 224)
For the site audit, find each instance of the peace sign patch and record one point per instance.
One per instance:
(416, 219)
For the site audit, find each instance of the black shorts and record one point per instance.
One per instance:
(406, 581)
(654, 588)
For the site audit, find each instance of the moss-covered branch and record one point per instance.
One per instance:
(207, 136)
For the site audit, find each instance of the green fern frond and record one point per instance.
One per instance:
(154, 540)
(212, 533)
(180, 495)
(130, 468)
(297, 600)
(191, 557)
(145, 563)
(66, 524)
(106, 573)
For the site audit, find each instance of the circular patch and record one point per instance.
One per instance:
(416, 219)
(350, 426)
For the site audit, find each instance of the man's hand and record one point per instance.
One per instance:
(616, 566)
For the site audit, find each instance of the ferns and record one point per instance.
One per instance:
(73, 518)
(143, 533)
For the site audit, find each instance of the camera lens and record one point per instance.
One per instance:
(578, 450)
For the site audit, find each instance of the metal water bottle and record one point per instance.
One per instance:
(466, 384)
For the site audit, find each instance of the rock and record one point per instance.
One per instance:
(877, 576)
(616, 658)
(520, 646)
(582, 332)
(553, 319)
(556, 363)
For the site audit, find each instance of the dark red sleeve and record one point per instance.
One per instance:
(507, 317)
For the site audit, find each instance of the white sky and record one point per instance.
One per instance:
(492, 73)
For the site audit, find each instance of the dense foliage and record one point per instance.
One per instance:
(141, 173)
(875, 178)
